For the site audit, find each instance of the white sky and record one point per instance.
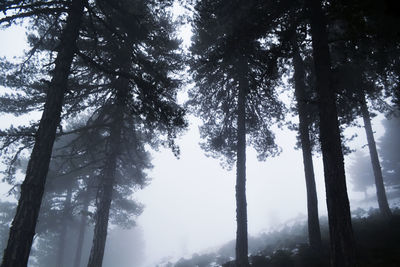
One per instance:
(190, 203)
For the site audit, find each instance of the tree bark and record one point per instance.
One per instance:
(82, 229)
(314, 232)
(241, 204)
(64, 227)
(108, 177)
(340, 226)
(23, 226)
(380, 187)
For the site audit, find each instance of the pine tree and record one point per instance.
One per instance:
(234, 94)
(340, 227)
(23, 226)
(141, 107)
(314, 231)
(358, 66)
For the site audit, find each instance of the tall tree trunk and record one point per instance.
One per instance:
(121, 84)
(241, 204)
(340, 227)
(314, 232)
(103, 211)
(380, 187)
(23, 226)
(104, 197)
(65, 218)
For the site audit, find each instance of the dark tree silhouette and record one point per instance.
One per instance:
(235, 77)
(314, 231)
(154, 86)
(380, 187)
(340, 227)
(142, 107)
(354, 81)
(23, 225)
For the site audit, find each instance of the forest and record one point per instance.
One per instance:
(101, 91)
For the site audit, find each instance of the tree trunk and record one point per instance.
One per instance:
(380, 187)
(23, 226)
(103, 211)
(121, 84)
(82, 229)
(314, 232)
(340, 227)
(241, 205)
(65, 218)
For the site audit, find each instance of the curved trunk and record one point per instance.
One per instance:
(241, 204)
(65, 218)
(340, 227)
(82, 229)
(380, 187)
(23, 226)
(314, 232)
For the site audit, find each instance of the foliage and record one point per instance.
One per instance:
(223, 34)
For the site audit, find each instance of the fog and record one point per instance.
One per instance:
(189, 204)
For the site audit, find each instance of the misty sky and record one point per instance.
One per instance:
(190, 202)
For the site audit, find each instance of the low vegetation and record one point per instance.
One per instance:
(376, 239)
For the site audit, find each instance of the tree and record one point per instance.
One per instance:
(75, 170)
(141, 107)
(380, 188)
(340, 227)
(388, 148)
(373, 46)
(234, 93)
(78, 98)
(356, 75)
(82, 230)
(23, 225)
(314, 231)
(360, 173)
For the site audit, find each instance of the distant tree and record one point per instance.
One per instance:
(83, 213)
(67, 179)
(389, 145)
(360, 172)
(73, 178)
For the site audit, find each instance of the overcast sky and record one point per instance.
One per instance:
(190, 202)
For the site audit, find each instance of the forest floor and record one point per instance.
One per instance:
(378, 245)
